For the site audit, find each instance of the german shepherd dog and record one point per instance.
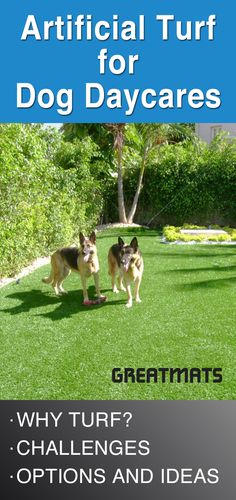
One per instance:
(128, 261)
(83, 260)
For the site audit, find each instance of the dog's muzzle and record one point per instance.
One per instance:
(88, 255)
(125, 264)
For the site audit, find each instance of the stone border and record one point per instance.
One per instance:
(41, 261)
(101, 227)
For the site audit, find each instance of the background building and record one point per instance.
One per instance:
(208, 131)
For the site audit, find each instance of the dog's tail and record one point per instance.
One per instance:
(48, 279)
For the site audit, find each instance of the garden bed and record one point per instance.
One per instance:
(190, 234)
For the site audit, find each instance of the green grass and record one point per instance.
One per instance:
(54, 348)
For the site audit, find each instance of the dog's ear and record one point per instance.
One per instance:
(81, 238)
(92, 237)
(120, 242)
(134, 244)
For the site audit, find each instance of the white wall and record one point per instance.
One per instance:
(207, 131)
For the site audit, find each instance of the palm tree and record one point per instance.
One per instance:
(149, 136)
(118, 131)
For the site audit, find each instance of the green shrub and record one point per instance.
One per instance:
(171, 233)
(219, 237)
(192, 226)
(190, 237)
(233, 235)
(43, 204)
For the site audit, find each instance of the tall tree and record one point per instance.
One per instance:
(148, 136)
(118, 131)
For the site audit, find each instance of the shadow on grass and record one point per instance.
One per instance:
(65, 305)
(206, 284)
(186, 255)
(214, 268)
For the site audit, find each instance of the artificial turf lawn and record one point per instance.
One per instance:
(55, 348)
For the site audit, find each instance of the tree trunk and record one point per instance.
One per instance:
(121, 202)
(117, 130)
(133, 209)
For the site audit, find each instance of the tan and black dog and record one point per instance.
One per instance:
(83, 260)
(128, 261)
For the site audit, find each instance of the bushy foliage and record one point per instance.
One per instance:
(191, 182)
(43, 203)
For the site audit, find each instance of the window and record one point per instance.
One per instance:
(215, 131)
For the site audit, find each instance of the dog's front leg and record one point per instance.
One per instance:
(97, 285)
(85, 292)
(113, 283)
(120, 283)
(130, 301)
(136, 290)
(128, 290)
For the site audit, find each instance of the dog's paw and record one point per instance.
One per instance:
(128, 305)
(138, 301)
(101, 298)
(95, 302)
(88, 302)
(115, 290)
(122, 289)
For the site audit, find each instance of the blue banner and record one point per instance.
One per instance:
(152, 61)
